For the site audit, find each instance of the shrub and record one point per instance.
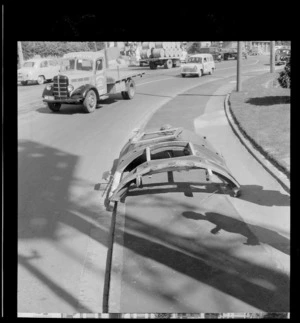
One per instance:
(284, 78)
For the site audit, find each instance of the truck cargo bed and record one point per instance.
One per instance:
(115, 75)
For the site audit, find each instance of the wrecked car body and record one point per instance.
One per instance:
(167, 150)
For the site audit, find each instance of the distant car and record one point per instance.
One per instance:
(38, 70)
(282, 55)
(198, 65)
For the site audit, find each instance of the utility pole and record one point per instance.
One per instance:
(95, 45)
(20, 53)
(272, 56)
(239, 59)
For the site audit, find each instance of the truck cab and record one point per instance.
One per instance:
(85, 79)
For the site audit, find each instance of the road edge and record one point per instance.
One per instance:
(268, 166)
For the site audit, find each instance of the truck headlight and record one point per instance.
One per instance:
(70, 88)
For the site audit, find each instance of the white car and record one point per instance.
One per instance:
(198, 65)
(38, 70)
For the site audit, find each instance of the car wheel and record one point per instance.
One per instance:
(168, 64)
(90, 101)
(183, 75)
(41, 79)
(124, 95)
(130, 92)
(24, 82)
(55, 107)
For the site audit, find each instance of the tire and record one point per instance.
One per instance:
(200, 73)
(24, 82)
(168, 64)
(90, 101)
(41, 80)
(55, 107)
(153, 66)
(211, 71)
(183, 75)
(124, 95)
(130, 90)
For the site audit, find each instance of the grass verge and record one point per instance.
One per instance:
(262, 111)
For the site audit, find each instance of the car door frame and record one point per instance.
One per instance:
(100, 77)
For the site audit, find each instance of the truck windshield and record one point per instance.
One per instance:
(71, 64)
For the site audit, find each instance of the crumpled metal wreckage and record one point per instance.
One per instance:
(166, 150)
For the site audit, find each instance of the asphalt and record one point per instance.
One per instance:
(146, 265)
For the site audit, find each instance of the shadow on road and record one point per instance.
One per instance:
(262, 235)
(270, 100)
(59, 291)
(258, 195)
(69, 109)
(259, 286)
(46, 209)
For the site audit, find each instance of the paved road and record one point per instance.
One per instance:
(63, 227)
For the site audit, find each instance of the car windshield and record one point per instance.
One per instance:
(195, 60)
(28, 64)
(72, 64)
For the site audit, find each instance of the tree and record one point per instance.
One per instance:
(284, 78)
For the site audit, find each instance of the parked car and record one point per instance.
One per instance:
(38, 70)
(198, 65)
(282, 55)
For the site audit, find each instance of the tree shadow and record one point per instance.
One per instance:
(46, 208)
(232, 225)
(58, 291)
(269, 100)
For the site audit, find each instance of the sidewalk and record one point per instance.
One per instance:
(261, 112)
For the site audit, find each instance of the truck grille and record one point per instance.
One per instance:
(60, 87)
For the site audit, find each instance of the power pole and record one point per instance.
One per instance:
(238, 74)
(95, 45)
(20, 53)
(272, 56)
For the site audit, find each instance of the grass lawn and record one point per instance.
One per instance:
(262, 110)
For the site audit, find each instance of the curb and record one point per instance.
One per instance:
(266, 163)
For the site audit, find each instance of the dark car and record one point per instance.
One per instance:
(282, 56)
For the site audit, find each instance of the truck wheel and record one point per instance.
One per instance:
(153, 66)
(41, 79)
(168, 64)
(124, 95)
(130, 86)
(200, 73)
(55, 107)
(90, 101)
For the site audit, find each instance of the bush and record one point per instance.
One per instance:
(284, 78)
